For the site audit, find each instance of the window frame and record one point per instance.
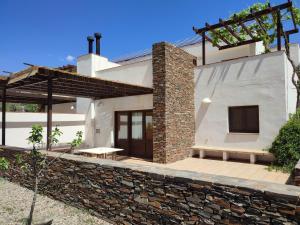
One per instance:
(245, 130)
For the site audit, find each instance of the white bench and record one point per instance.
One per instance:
(101, 151)
(253, 153)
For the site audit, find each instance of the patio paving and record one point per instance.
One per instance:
(224, 168)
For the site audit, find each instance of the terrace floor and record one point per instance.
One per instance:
(224, 168)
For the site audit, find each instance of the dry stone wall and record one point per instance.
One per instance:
(134, 194)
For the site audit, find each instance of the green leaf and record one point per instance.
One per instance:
(286, 146)
(4, 164)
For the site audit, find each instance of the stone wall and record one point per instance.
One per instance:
(173, 103)
(296, 174)
(134, 194)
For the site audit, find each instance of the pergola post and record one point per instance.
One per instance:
(203, 48)
(3, 115)
(278, 30)
(49, 113)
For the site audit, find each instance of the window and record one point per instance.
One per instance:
(243, 119)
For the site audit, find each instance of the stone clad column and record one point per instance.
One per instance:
(173, 103)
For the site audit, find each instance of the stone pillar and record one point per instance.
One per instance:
(173, 103)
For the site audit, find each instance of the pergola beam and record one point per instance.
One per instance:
(232, 32)
(278, 28)
(293, 16)
(259, 22)
(3, 115)
(215, 33)
(76, 88)
(26, 83)
(49, 113)
(203, 49)
(239, 44)
(245, 28)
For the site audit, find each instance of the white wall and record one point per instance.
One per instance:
(257, 80)
(18, 126)
(139, 73)
(90, 63)
(64, 108)
(105, 109)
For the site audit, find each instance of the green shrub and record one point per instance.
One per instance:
(286, 146)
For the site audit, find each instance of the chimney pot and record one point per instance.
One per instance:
(90, 40)
(98, 36)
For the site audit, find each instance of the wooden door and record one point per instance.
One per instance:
(122, 132)
(133, 133)
(149, 134)
(137, 142)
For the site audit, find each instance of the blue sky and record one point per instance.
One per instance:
(46, 32)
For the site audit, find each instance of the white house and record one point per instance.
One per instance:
(232, 97)
(241, 98)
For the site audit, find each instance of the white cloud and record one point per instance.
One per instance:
(70, 58)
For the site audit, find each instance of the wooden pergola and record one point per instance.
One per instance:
(42, 84)
(34, 98)
(252, 17)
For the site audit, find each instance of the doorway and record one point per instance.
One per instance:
(133, 133)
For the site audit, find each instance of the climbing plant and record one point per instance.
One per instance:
(269, 23)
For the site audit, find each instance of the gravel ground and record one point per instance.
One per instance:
(15, 204)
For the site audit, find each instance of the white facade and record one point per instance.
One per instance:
(257, 80)
(235, 77)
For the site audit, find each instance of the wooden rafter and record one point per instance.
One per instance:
(246, 29)
(239, 44)
(232, 32)
(220, 36)
(259, 22)
(293, 17)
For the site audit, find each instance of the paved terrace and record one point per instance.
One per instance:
(223, 168)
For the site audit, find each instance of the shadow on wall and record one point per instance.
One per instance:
(201, 114)
(219, 71)
(211, 77)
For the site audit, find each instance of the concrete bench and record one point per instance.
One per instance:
(225, 152)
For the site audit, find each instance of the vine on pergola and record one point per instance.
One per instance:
(263, 28)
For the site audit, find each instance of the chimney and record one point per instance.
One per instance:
(90, 40)
(98, 36)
